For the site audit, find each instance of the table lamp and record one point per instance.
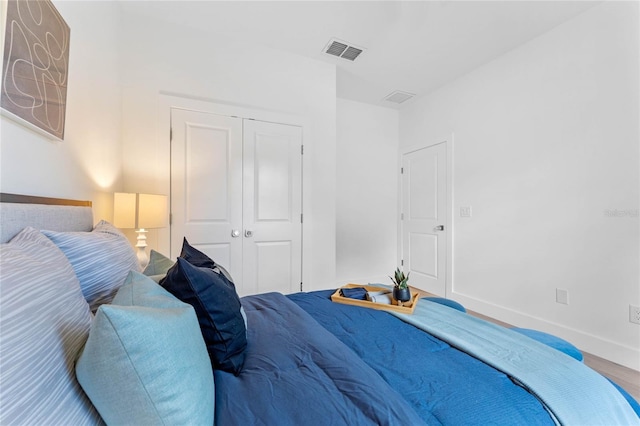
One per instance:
(140, 212)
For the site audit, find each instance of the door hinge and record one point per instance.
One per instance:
(300, 285)
(170, 218)
(170, 134)
(301, 218)
(401, 216)
(402, 262)
(301, 149)
(401, 170)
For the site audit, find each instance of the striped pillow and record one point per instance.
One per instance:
(44, 323)
(101, 259)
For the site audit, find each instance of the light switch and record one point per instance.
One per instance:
(562, 296)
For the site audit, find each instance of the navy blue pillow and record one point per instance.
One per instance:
(217, 306)
(198, 258)
(195, 256)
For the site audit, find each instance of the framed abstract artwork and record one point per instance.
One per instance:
(35, 65)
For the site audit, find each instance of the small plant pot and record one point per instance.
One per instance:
(401, 294)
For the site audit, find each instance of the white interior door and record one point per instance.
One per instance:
(206, 186)
(424, 231)
(236, 195)
(272, 193)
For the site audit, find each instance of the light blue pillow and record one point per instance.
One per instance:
(145, 361)
(158, 266)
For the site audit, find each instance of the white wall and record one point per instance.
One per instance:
(87, 164)
(366, 192)
(160, 59)
(546, 143)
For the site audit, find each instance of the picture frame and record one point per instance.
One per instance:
(35, 66)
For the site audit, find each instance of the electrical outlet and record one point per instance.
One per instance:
(634, 314)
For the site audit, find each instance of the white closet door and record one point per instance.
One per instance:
(272, 193)
(206, 186)
(236, 195)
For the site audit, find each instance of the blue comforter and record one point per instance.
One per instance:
(438, 380)
(316, 362)
(298, 373)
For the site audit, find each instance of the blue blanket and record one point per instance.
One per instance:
(335, 364)
(451, 385)
(297, 373)
(439, 381)
(571, 391)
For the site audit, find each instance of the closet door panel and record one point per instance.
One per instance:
(272, 194)
(272, 180)
(206, 186)
(207, 175)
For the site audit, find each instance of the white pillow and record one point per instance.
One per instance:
(44, 323)
(101, 259)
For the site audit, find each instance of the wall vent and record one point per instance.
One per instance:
(342, 49)
(398, 97)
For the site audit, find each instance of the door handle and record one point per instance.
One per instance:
(235, 233)
(439, 228)
(248, 233)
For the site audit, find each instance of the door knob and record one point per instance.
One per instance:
(248, 233)
(235, 233)
(439, 228)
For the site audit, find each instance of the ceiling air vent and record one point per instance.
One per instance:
(399, 97)
(342, 49)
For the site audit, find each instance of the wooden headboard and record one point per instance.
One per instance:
(55, 214)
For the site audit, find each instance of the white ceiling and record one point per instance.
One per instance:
(412, 46)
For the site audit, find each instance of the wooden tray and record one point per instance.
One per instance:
(336, 297)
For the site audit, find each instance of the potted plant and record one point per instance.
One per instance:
(401, 290)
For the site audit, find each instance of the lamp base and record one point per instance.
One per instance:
(143, 257)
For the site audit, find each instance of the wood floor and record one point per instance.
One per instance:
(625, 377)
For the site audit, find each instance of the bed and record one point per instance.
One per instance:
(88, 338)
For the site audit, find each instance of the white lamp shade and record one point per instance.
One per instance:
(124, 210)
(152, 211)
(132, 210)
